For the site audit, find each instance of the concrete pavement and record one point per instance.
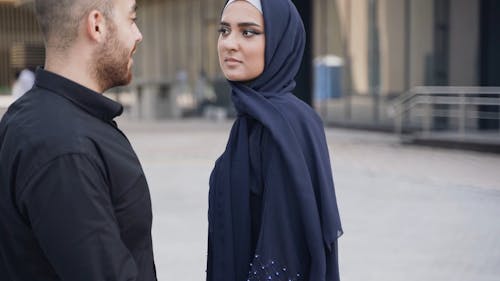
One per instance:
(409, 213)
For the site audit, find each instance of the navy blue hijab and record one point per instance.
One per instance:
(272, 208)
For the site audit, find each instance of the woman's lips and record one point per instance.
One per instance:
(232, 60)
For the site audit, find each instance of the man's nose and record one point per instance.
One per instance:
(139, 39)
(138, 34)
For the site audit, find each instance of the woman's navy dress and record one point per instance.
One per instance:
(272, 207)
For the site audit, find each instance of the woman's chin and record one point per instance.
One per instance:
(239, 78)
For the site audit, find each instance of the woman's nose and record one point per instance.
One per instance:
(230, 42)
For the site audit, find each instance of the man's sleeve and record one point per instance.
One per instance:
(68, 204)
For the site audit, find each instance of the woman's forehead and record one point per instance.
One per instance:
(256, 3)
(241, 11)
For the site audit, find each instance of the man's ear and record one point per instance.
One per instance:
(96, 26)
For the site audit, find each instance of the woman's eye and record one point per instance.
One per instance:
(250, 33)
(223, 30)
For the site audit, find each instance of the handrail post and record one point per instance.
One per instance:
(462, 115)
(400, 111)
(428, 115)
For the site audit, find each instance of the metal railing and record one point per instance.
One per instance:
(462, 111)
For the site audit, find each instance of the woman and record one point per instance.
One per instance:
(272, 208)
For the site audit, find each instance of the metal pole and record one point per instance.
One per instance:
(348, 61)
(407, 43)
(324, 103)
(407, 59)
(374, 58)
(462, 115)
(428, 115)
(203, 29)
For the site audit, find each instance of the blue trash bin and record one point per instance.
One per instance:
(327, 77)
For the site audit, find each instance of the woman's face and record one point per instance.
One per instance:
(241, 44)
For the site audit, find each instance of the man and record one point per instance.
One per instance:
(74, 202)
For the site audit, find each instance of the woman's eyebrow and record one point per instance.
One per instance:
(245, 24)
(241, 24)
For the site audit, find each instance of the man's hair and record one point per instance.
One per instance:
(59, 20)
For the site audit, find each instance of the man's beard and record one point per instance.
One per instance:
(110, 67)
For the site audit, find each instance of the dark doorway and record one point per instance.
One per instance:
(440, 61)
(490, 56)
(303, 90)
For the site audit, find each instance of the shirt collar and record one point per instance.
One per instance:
(93, 102)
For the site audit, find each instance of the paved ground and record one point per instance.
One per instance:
(409, 213)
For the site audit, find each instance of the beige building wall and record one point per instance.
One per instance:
(182, 35)
(357, 22)
(464, 43)
(392, 46)
(178, 36)
(421, 39)
(326, 36)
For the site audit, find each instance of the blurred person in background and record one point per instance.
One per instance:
(74, 201)
(272, 207)
(24, 82)
(204, 93)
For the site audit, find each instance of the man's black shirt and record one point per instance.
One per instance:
(74, 202)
